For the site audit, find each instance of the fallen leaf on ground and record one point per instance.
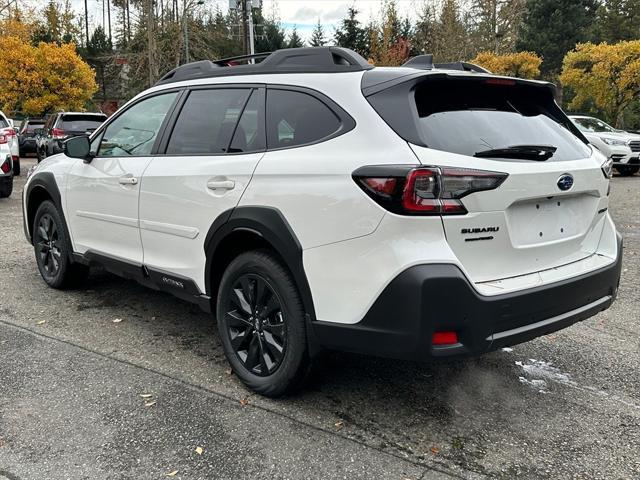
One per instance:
(435, 450)
(41, 322)
(339, 424)
(172, 474)
(149, 404)
(146, 395)
(199, 450)
(244, 402)
(228, 371)
(116, 320)
(153, 318)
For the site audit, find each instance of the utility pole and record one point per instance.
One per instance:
(245, 27)
(86, 23)
(109, 19)
(185, 32)
(151, 47)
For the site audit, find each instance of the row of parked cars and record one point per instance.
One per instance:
(40, 136)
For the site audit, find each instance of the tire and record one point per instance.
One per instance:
(6, 186)
(52, 249)
(16, 167)
(38, 154)
(262, 327)
(628, 170)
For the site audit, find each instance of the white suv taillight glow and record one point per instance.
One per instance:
(409, 190)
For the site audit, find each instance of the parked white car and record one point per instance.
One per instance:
(6, 168)
(313, 201)
(620, 146)
(10, 137)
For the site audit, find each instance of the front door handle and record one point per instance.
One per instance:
(222, 184)
(128, 180)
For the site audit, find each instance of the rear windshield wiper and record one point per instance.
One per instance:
(525, 152)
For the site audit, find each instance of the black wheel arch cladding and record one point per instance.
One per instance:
(268, 224)
(43, 183)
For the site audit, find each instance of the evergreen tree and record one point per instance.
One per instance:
(552, 28)
(272, 36)
(618, 20)
(450, 42)
(294, 39)
(351, 35)
(317, 36)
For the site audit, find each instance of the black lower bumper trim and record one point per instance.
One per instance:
(429, 298)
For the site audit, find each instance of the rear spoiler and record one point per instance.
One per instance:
(393, 98)
(425, 62)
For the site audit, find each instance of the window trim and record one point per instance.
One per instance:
(258, 87)
(163, 126)
(347, 123)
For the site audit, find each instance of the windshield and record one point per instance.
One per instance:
(593, 125)
(467, 118)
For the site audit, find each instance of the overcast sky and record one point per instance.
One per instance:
(302, 14)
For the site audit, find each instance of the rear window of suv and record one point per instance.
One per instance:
(81, 123)
(470, 117)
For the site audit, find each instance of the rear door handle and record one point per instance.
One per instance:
(128, 180)
(222, 184)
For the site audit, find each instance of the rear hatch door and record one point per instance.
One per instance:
(550, 210)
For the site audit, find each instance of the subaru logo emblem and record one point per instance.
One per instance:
(565, 182)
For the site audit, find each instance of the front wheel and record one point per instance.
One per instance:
(53, 249)
(262, 324)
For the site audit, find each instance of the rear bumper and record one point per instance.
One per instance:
(431, 298)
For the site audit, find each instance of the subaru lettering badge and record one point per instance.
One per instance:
(565, 182)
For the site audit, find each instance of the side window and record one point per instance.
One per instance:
(207, 121)
(249, 135)
(135, 130)
(296, 118)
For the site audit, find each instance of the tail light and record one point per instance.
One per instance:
(9, 132)
(410, 190)
(6, 165)
(4, 138)
(57, 133)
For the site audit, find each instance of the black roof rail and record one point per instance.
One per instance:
(289, 60)
(425, 62)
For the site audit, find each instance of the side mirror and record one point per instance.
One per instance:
(78, 147)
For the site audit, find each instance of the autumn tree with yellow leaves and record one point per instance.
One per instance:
(607, 75)
(42, 79)
(520, 64)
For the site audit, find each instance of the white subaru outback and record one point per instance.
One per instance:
(315, 202)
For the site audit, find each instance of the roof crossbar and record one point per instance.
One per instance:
(290, 60)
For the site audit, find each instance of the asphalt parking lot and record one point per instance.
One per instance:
(117, 381)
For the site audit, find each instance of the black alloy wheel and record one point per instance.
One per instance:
(48, 245)
(256, 324)
(52, 249)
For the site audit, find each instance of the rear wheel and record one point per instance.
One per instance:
(53, 251)
(628, 170)
(16, 167)
(6, 186)
(262, 325)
